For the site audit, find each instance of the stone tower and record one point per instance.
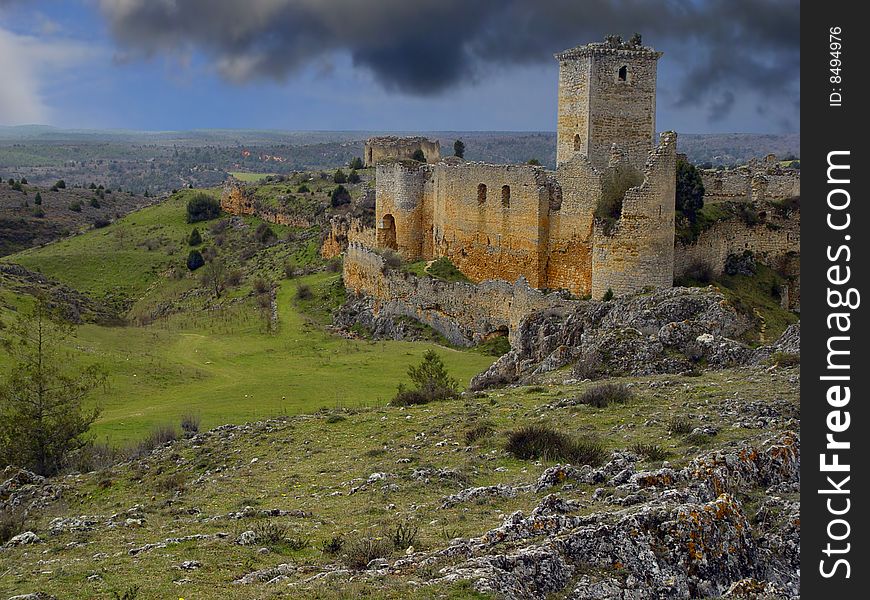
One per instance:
(607, 95)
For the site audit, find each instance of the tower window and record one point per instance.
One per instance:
(481, 193)
(506, 196)
(623, 73)
(576, 142)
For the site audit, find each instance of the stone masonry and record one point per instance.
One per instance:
(510, 221)
(386, 147)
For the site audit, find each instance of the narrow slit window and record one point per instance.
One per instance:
(576, 141)
(623, 73)
(506, 196)
(481, 193)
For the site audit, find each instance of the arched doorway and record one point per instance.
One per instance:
(387, 233)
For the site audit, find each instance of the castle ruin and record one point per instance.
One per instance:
(393, 147)
(603, 220)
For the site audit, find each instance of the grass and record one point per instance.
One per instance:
(250, 177)
(302, 463)
(219, 361)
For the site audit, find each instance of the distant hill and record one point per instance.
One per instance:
(166, 160)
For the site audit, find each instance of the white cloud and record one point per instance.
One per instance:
(27, 64)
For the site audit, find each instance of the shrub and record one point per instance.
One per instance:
(355, 163)
(353, 177)
(478, 431)
(290, 269)
(649, 451)
(174, 482)
(190, 423)
(268, 532)
(131, 593)
(234, 278)
(302, 189)
(588, 366)
(219, 227)
(195, 239)
(497, 345)
(38, 213)
(680, 425)
(303, 292)
(541, 442)
(690, 190)
(202, 207)
(431, 380)
(101, 222)
(339, 196)
(404, 535)
(332, 545)
(418, 155)
(75, 206)
(261, 286)
(95, 203)
(360, 551)
(339, 177)
(459, 148)
(195, 260)
(608, 295)
(605, 394)
(264, 234)
(61, 184)
(38, 199)
(11, 524)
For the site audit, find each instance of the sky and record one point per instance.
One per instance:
(386, 65)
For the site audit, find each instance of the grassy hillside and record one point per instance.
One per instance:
(227, 359)
(321, 467)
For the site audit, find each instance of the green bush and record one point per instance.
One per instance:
(431, 381)
(339, 177)
(680, 425)
(38, 199)
(356, 163)
(353, 177)
(339, 196)
(202, 207)
(360, 551)
(608, 295)
(478, 431)
(534, 442)
(264, 234)
(195, 238)
(195, 260)
(418, 155)
(95, 203)
(61, 184)
(75, 206)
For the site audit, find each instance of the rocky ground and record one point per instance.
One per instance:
(697, 497)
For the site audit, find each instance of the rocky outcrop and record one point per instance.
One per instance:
(240, 199)
(670, 331)
(689, 537)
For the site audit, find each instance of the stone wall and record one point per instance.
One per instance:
(756, 182)
(638, 252)
(382, 148)
(464, 313)
(775, 241)
(344, 230)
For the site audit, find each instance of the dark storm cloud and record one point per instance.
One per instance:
(722, 48)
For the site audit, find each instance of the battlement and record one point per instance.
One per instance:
(605, 49)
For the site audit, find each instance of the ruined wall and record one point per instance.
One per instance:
(750, 184)
(382, 148)
(399, 207)
(491, 220)
(239, 199)
(638, 252)
(775, 242)
(606, 96)
(344, 230)
(462, 312)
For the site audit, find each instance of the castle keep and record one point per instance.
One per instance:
(511, 221)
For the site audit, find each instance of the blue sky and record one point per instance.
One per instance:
(182, 64)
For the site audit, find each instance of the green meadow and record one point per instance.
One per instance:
(226, 361)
